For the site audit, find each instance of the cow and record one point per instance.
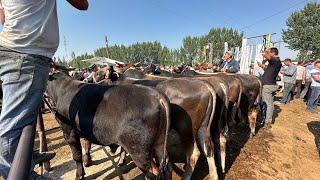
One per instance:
(135, 117)
(250, 99)
(193, 105)
(235, 92)
(221, 114)
(220, 128)
(220, 87)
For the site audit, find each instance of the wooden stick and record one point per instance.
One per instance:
(43, 141)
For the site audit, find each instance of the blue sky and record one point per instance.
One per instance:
(167, 21)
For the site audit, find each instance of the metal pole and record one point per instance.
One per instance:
(107, 45)
(21, 166)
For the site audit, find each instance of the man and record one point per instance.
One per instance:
(91, 77)
(307, 80)
(315, 88)
(298, 86)
(289, 79)
(28, 41)
(270, 83)
(229, 64)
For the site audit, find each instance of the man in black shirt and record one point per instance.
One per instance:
(269, 81)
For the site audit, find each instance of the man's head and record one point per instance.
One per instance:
(317, 64)
(228, 55)
(311, 61)
(274, 52)
(287, 62)
(270, 53)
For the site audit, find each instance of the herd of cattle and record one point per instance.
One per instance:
(140, 111)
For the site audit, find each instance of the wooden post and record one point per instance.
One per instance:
(45, 167)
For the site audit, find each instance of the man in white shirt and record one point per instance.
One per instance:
(315, 88)
(28, 41)
(300, 71)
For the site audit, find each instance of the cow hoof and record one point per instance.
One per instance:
(252, 135)
(87, 162)
(79, 178)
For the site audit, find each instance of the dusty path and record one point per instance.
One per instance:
(286, 151)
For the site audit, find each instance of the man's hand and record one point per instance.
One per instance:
(316, 78)
(79, 4)
(2, 17)
(266, 54)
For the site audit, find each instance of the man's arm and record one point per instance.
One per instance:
(2, 16)
(316, 78)
(290, 71)
(79, 4)
(234, 68)
(304, 76)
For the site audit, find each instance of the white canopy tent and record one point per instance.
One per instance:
(103, 61)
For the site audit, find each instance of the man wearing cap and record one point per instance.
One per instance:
(28, 41)
(229, 64)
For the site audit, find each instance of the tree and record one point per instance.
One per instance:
(303, 32)
(192, 51)
(193, 48)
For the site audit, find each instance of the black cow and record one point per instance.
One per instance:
(219, 128)
(193, 105)
(135, 117)
(250, 100)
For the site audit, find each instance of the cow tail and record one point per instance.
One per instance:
(259, 97)
(240, 95)
(210, 115)
(164, 164)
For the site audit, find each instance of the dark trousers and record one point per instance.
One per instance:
(287, 93)
(305, 94)
(298, 88)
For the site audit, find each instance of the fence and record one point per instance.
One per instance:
(247, 55)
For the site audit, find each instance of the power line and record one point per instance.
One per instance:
(272, 15)
(159, 5)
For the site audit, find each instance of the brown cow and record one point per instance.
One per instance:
(250, 100)
(193, 105)
(134, 117)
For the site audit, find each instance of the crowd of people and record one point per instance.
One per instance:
(301, 81)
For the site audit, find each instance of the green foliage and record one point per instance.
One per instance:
(191, 52)
(77, 60)
(303, 32)
(193, 49)
(145, 52)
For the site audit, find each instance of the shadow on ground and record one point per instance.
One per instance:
(314, 128)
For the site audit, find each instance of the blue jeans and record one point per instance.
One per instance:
(287, 92)
(24, 80)
(314, 97)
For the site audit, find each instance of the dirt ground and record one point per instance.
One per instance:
(289, 150)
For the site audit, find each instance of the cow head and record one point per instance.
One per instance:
(57, 77)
